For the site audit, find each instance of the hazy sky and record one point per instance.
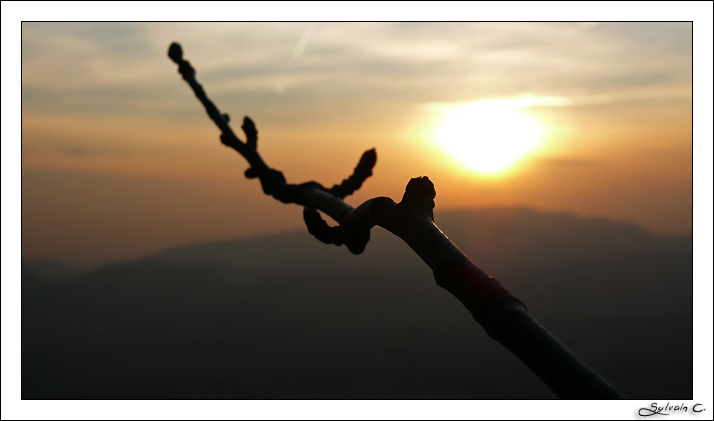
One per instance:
(119, 159)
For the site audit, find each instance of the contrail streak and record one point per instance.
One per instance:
(304, 39)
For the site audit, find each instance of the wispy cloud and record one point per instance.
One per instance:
(567, 163)
(406, 61)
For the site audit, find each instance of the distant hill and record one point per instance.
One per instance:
(284, 316)
(497, 239)
(50, 269)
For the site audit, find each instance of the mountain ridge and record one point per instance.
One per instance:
(461, 225)
(286, 317)
(492, 237)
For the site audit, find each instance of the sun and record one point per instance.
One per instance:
(490, 136)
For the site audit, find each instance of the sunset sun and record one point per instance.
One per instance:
(489, 136)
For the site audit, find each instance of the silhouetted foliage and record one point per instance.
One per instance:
(503, 316)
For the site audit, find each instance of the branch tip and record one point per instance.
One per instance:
(420, 188)
(419, 193)
(251, 133)
(368, 160)
(176, 53)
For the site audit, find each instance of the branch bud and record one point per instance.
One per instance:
(176, 53)
(420, 192)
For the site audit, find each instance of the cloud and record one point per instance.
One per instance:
(74, 151)
(666, 38)
(122, 67)
(567, 163)
(67, 56)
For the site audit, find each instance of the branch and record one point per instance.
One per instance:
(503, 316)
(316, 225)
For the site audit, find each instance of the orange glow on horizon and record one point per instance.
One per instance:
(546, 116)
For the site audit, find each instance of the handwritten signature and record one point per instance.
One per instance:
(662, 410)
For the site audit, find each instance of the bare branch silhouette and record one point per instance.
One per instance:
(503, 316)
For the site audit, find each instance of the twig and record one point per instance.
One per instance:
(503, 316)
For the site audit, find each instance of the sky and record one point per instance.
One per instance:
(119, 158)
